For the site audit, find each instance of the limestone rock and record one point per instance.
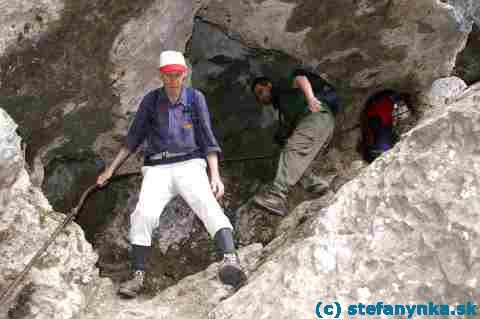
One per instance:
(65, 271)
(465, 11)
(10, 157)
(398, 223)
(359, 44)
(443, 91)
(24, 19)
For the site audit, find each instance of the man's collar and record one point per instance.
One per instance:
(182, 99)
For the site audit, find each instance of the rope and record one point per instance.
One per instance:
(14, 285)
(66, 221)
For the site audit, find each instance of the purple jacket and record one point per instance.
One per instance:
(169, 127)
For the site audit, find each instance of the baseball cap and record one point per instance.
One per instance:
(172, 61)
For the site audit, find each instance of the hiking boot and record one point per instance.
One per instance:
(132, 287)
(230, 271)
(273, 202)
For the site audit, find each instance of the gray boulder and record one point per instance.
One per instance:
(358, 44)
(443, 91)
(57, 286)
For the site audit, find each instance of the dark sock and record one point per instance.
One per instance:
(224, 241)
(139, 256)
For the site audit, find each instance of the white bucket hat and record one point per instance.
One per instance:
(172, 61)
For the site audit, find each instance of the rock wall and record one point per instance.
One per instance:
(23, 19)
(465, 11)
(58, 285)
(72, 74)
(360, 44)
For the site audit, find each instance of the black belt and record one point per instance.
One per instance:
(168, 158)
(166, 155)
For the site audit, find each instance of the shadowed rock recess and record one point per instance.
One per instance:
(401, 230)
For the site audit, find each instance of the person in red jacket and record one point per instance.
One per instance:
(378, 123)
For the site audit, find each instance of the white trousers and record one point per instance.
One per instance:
(160, 184)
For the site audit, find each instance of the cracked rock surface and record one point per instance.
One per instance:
(58, 284)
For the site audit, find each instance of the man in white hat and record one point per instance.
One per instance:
(175, 122)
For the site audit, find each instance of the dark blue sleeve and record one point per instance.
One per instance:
(208, 142)
(141, 124)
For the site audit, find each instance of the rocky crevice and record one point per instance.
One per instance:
(95, 61)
